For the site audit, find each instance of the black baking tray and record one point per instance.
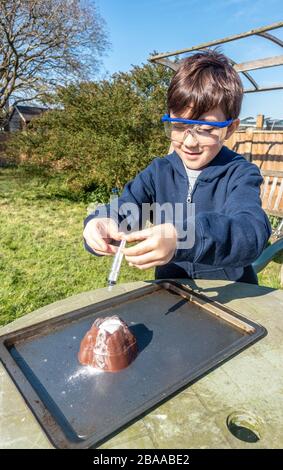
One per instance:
(181, 336)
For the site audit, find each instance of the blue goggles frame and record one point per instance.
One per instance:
(166, 118)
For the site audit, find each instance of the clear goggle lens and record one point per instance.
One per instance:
(203, 134)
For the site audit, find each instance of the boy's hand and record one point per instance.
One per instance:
(98, 234)
(157, 247)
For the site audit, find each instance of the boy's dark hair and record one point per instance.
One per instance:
(203, 81)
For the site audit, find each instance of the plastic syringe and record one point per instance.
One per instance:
(115, 268)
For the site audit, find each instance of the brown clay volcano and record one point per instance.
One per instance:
(108, 345)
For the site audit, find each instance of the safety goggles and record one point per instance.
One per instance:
(204, 132)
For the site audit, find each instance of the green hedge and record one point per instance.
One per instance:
(100, 134)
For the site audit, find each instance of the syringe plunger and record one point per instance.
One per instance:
(116, 265)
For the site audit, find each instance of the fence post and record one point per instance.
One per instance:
(248, 153)
(259, 121)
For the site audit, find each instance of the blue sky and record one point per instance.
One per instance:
(137, 28)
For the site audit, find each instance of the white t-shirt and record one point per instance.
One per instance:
(192, 177)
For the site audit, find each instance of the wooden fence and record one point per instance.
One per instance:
(265, 149)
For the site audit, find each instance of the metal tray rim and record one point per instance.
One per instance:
(52, 428)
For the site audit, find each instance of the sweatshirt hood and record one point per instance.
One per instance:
(218, 166)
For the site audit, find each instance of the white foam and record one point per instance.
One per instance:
(110, 325)
(84, 372)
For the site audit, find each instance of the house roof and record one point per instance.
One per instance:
(29, 112)
(269, 123)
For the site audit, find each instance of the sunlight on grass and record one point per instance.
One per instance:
(270, 276)
(42, 258)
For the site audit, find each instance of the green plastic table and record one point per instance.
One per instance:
(248, 386)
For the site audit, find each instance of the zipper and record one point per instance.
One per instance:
(190, 193)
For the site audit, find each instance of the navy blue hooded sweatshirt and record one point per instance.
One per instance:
(231, 228)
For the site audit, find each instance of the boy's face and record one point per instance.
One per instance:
(197, 156)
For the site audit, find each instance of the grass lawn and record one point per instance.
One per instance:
(42, 258)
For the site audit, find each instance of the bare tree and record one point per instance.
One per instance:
(44, 43)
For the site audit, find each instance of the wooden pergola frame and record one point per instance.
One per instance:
(243, 67)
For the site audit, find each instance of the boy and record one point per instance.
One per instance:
(230, 228)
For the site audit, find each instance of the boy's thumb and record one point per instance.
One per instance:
(113, 231)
